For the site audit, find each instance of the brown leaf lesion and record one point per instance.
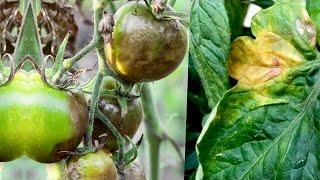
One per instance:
(254, 61)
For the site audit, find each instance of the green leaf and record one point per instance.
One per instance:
(209, 48)
(313, 7)
(268, 125)
(289, 19)
(28, 42)
(237, 11)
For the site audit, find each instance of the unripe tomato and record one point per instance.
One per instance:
(92, 166)
(39, 121)
(128, 125)
(143, 48)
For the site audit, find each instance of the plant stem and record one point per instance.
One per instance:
(96, 40)
(93, 107)
(153, 155)
(153, 130)
(115, 132)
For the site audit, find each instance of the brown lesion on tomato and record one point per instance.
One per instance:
(144, 49)
(79, 117)
(127, 125)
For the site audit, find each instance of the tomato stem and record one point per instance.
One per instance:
(115, 132)
(68, 63)
(97, 38)
(93, 108)
(154, 133)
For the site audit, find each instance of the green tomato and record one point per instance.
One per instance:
(92, 166)
(38, 121)
(143, 48)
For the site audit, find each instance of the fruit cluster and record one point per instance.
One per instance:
(44, 113)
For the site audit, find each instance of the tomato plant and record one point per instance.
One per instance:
(46, 112)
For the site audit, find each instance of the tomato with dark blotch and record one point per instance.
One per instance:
(144, 48)
(38, 121)
(126, 125)
(93, 166)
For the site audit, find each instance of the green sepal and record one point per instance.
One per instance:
(60, 55)
(28, 42)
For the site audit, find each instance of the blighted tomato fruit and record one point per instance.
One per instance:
(127, 125)
(38, 121)
(143, 48)
(92, 166)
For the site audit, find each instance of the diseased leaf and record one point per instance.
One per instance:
(268, 125)
(256, 61)
(313, 7)
(209, 48)
(289, 19)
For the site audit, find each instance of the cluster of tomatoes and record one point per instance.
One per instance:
(48, 124)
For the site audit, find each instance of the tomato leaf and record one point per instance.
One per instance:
(209, 48)
(314, 12)
(236, 11)
(28, 42)
(268, 125)
(289, 19)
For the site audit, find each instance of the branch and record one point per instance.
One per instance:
(154, 133)
(68, 63)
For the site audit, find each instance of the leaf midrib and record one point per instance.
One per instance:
(308, 102)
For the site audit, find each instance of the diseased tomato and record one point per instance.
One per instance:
(39, 121)
(92, 166)
(134, 172)
(128, 125)
(143, 48)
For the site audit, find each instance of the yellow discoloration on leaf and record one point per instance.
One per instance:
(253, 61)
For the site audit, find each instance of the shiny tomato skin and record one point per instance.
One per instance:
(38, 121)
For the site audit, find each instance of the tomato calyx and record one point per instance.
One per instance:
(68, 83)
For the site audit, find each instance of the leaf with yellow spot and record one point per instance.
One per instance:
(268, 125)
(255, 61)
